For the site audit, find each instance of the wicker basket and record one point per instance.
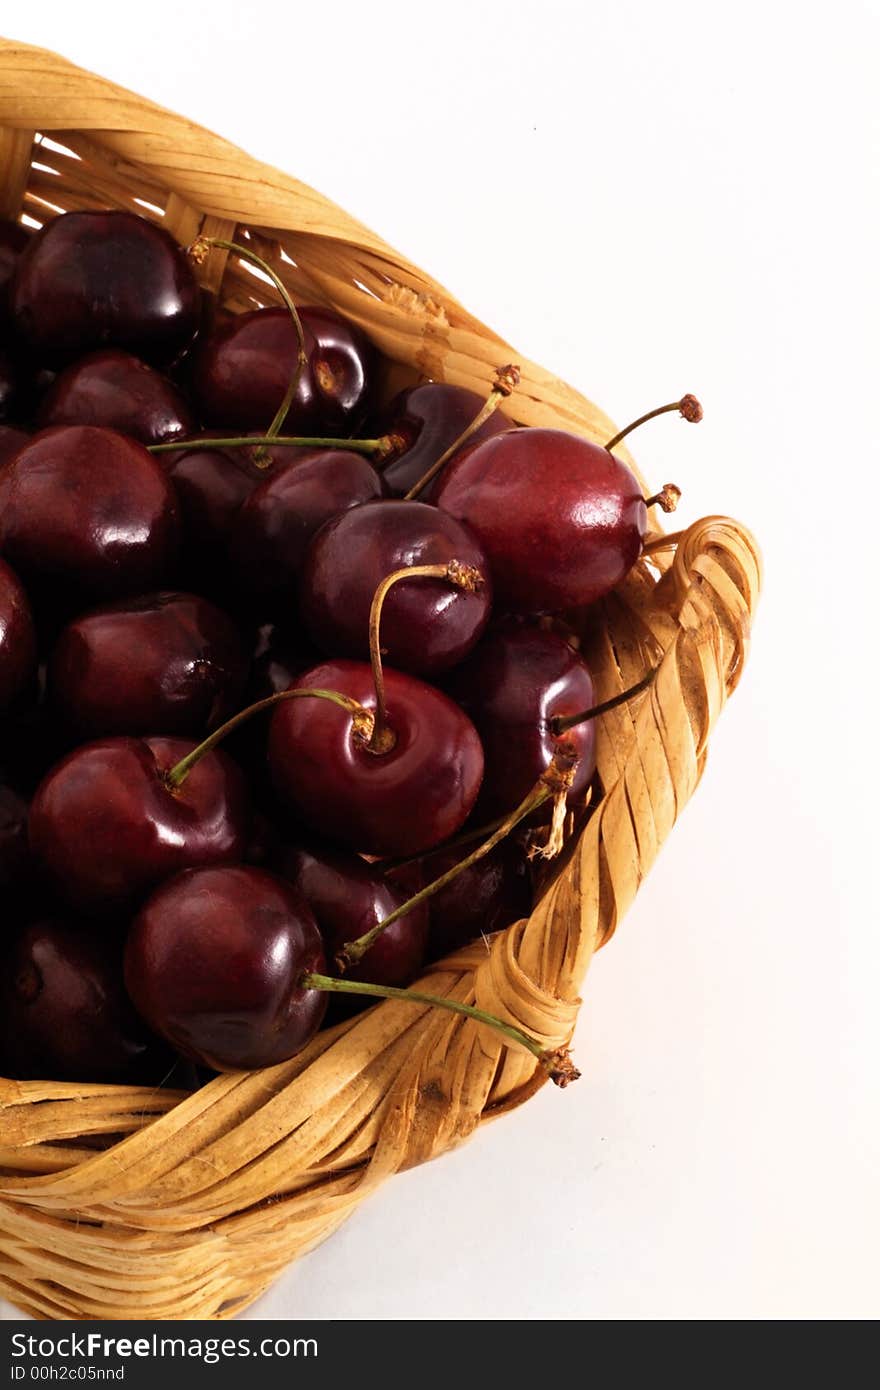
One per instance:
(117, 1202)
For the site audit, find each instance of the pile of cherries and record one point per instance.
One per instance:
(286, 686)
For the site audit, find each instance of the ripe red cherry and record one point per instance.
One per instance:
(485, 897)
(426, 420)
(561, 519)
(91, 280)
(106, 826)
(167, 663)
(349, 898)
(210, 485)
(243, 368)
(64, 1013)
(427, 624)
(512, 686)
(119, 392)
(273, 527)
(18, 646)
(11, 441)
(87, 515)
(401, 801)
(213, 963)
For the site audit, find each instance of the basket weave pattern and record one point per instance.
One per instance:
(122, 1202)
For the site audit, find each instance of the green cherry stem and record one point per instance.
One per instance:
(689, 407)
(199, 250)
(506, 381)
(555, 1061)
(461, 577)
(362, 720)
(560, 724)
(554, 782)
(379, 447)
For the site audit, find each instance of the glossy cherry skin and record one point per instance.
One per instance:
(561, 519)
(92, 280)
(484, 898)
(273, 527)
(167, 663)
(213, 963)
(426, 420)
(399, 802)
(349, 898)
(64, 1012)
(11, 440)
(516, 681)
(18, 644)
(87, 515)
(119, 392)
(244, 366)
(427, 625)
(106, 827)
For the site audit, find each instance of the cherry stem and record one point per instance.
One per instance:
(560, 724)
(363, 721)
(454, 572)
(554, 782)
(688, 406)
(506, 381)
(199, 250)
(293, 441)
(667, 498)
(555, 1061)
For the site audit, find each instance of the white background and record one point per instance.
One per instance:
(647, 198)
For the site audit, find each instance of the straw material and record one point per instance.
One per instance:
(119, 1202)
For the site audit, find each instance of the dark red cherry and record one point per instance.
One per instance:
(561, 519)
(11, 440)
(119, 392)
(516, 681)
(244, 366)
(273, 527)
(18, 646)
(64, 1013)
(91, 280)
(87, 515)
(484, 898)
(106, 826)
(213, 963)
(399, 802)
(167, 663)
(427, 625)
(425, 421)
(349, 898)
(211, 485)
